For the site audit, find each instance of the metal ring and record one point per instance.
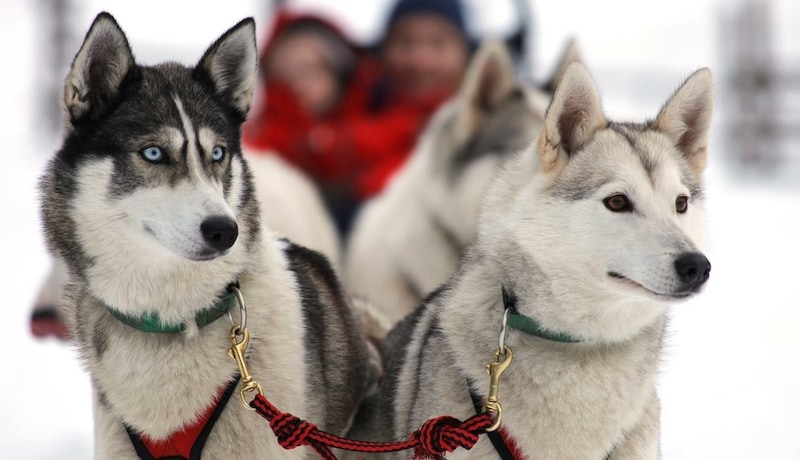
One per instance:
(502, 338)
(242, 308)
(497, 409)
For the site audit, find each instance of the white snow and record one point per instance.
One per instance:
(730, 387)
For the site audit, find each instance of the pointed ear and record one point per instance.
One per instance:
(98, 69)
(573, 117)
(230, 66)
(686, 117)
(571, 53)
(488, 82)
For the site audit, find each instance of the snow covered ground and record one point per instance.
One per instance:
(731, 381)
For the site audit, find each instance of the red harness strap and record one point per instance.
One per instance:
(186, 444)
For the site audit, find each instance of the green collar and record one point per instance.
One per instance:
(529, 325)
(151, 321)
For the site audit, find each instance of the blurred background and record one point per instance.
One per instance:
(731, 379)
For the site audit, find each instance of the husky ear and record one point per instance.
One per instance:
(230, 66)
(686, 117)
(98, 69)
(572, 53)
(488, 82)
(573, 117)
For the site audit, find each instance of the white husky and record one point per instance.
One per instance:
(585, 239)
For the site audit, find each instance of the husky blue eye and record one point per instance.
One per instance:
(153, 154)
(218, 153)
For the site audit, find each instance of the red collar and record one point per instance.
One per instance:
(186, 444)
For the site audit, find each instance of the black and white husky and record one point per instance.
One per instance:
(153, 209)
(584, 241)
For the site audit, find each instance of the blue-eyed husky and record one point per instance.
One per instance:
(584, 240)
(153, 209)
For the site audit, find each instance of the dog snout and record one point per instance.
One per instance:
(219, 232)
(693, 269)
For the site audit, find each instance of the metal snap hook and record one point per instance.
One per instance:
(495, 369)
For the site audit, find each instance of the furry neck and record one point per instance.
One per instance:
(177, 288)
(528, 324)
(577, 311)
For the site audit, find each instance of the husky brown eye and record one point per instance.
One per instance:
(682, 204)
(618, 203)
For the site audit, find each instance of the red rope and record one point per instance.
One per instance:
(436, 436)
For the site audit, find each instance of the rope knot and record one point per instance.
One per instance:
(291, 431)
(444, 435)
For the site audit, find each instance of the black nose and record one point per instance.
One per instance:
(220, 232)
(693, 269)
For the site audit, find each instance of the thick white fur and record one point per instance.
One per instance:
(565, 401)
(123, 277)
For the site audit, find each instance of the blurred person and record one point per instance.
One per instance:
(424, 52)
(426, 49)
(348, 119)
(313, 79)
(312, 58)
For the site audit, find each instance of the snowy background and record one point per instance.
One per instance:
(730, 387)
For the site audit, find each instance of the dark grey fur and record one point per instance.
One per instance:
(324, 305)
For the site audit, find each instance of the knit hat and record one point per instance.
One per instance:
(451, 10)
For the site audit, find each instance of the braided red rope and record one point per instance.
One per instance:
(436, 436)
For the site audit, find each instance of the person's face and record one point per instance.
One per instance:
(425, 54)
(299, 62)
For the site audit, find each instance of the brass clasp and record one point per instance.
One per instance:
(237, 351)
(495, 369)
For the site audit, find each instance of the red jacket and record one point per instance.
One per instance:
(352, 151)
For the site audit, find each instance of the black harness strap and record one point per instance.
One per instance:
(140, 448)
(494, 436)
(197, 448)
(200, 442)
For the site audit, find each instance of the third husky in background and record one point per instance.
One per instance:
(408, 240)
